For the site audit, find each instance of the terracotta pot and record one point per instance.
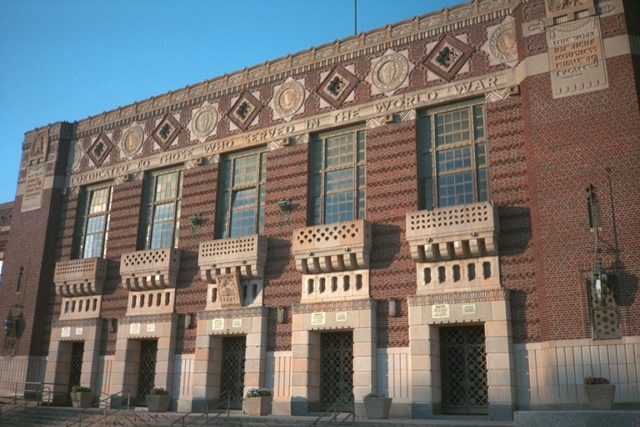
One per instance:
(377, 407)
(600, 396)
(258, 406)
(158, 402)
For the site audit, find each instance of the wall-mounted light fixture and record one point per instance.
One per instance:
(196, 221)
(284, 205)
(9, 324)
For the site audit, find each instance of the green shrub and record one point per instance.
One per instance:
(80, 389)
(259, 392)
(596, 380)
(158, 391)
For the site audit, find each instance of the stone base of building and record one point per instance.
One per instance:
(17, 371)
(576, 418)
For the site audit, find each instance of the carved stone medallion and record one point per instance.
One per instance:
(289, 98)
(390, 72)
(131, 140)
(204, 121)
(501, 43)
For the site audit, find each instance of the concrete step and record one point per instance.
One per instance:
(55, 416)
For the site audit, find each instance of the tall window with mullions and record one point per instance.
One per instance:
(93, 222)
(337, 179)
(453, 156)
(160, 225)
(241, 196)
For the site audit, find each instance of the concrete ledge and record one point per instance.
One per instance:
(576, 418)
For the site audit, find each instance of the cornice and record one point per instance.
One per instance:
(364, 44)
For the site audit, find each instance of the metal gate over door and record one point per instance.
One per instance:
(336, 369)
(464, 370)
(232, 369)
(75, 367)
(146, 369)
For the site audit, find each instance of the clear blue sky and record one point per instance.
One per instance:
(64, 60)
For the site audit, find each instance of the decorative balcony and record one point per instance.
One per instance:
(150, 269)
(458, 232)
(245, 255)
(80, 277)
(333, 247)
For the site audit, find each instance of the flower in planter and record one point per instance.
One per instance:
(373, 395)
(259, 392)
(158, 391)
(596, 381)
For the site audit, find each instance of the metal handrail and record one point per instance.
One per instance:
(335, 413)
(24, 401)
(106, 408)
(24, 404)
(181, 421)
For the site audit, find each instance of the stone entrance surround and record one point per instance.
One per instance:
(309, 321)
(80, 283)
(458, 283)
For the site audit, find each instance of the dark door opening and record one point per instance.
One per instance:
(336, 369)
(75, 366)
(146, 369)
(464, 370)
(232, 369)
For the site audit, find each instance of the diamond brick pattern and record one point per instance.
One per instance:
(167, 131)
(337, 86)
(100, 149)
(448, 56)
(244, 110)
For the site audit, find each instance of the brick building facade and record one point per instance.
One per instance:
(386, 213)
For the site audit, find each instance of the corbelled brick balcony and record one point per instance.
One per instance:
(457, 232)
(333, 247)
(80, 277)
(246, 255)
(150, 269)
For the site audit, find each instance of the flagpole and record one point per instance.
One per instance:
(355, 17)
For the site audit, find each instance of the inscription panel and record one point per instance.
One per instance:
(576, 60)
(32, 199)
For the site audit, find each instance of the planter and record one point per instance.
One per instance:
(158, 402)
(600, 396)
(258, 406)
(81, 399)
(377, 407)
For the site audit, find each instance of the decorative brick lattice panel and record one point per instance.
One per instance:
(80, 277)
(334, 247)
(150, 269)
(247, 255)
(457, 232)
